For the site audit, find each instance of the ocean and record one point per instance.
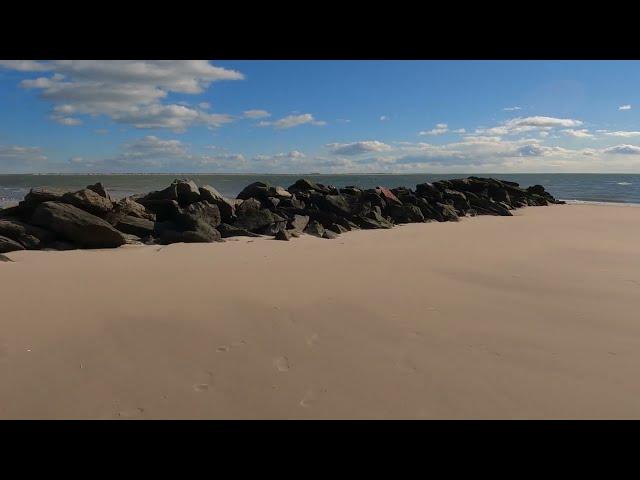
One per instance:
(616, 188)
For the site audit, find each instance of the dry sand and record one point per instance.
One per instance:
(535, 316)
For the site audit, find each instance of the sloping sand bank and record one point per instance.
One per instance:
(531, 316)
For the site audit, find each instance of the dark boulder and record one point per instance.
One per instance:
(429, 191)
(128, 206)
(447, 212)
(5, 259)
(76, 225)
(337, 228)
(162, 209)
(405, 213)
(298, 222)
(169, 193)
(227, 231)
(457, 199)
(197, 212)
(227, 207)
(31, 237)
(60, 245)
(251, 216)
(89, 201)
(258, 190)
(335, 204)
(8, 245)
(329, 234)
(43, 194)
(284, 235)
(201, 233)
(187, 191)
(100, 190)
(140, 227)
(314, 228)
(305, 185)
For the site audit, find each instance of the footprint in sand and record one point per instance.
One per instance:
(133, 413)
(312, 339)
(201, 387)
(222, 348)
(311, 397)
(282, 364)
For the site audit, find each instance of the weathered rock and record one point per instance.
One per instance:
(388, 196)
(100, 190)
(140, 227)
(132, 239)
(448, 212)
(405, 213)
(428, 190)
(258, 190)
(128, 206)
(89, 201)
(457, 199)
(486, 206)
(194, 213)
(5, 259)
(76, 225)
(162, 209)
(251, 216)
(227, 231)
(283, 235)
(169, 193)
(210, 194)
(43, 194)
(337, 228)
(227, 207)
(299, 222)
(202, 233)
(31, 237)
(8, 245)
(305, 185)
(335, 204)
(314, 228)
(280, 192)
(329, 234)
(60, 245)
(187, 191)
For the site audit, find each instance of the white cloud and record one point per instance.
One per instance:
(581, 133)
(358, 148)
(15, 158)
(623, 150)
(128, 91)
(66, 120)
(624, 107)
(440, 129)
(384, 118)
(624, 134)
(256, 114)
(540, 121)
(293, 121)
(25, 65)
(459, 130)
(511, 109)
(204, 105)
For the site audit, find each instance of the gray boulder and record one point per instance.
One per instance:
(76, 225)
(7, 245)
(314, 228)
(251, 216)
(29, 236)
(140, 227)
(227, 231)
(89, 201)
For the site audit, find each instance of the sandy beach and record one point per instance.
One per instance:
(534, 316)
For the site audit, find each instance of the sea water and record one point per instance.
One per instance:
(615, 188)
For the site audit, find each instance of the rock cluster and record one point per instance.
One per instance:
(184, 212)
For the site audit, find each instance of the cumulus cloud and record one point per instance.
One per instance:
(510, 109)
(519, 125)
(624, 107)
(358, 148)
(128, 91)
(581, 133)
(440, 129)
(293, 121)
(256, 114)
(384, 118)
(623, 150)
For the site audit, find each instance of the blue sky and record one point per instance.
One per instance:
(324, 116)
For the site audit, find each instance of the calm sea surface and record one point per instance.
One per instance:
(621, 188)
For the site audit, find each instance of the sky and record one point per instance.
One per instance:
(197, 116)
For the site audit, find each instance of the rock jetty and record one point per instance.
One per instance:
(49, 219)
